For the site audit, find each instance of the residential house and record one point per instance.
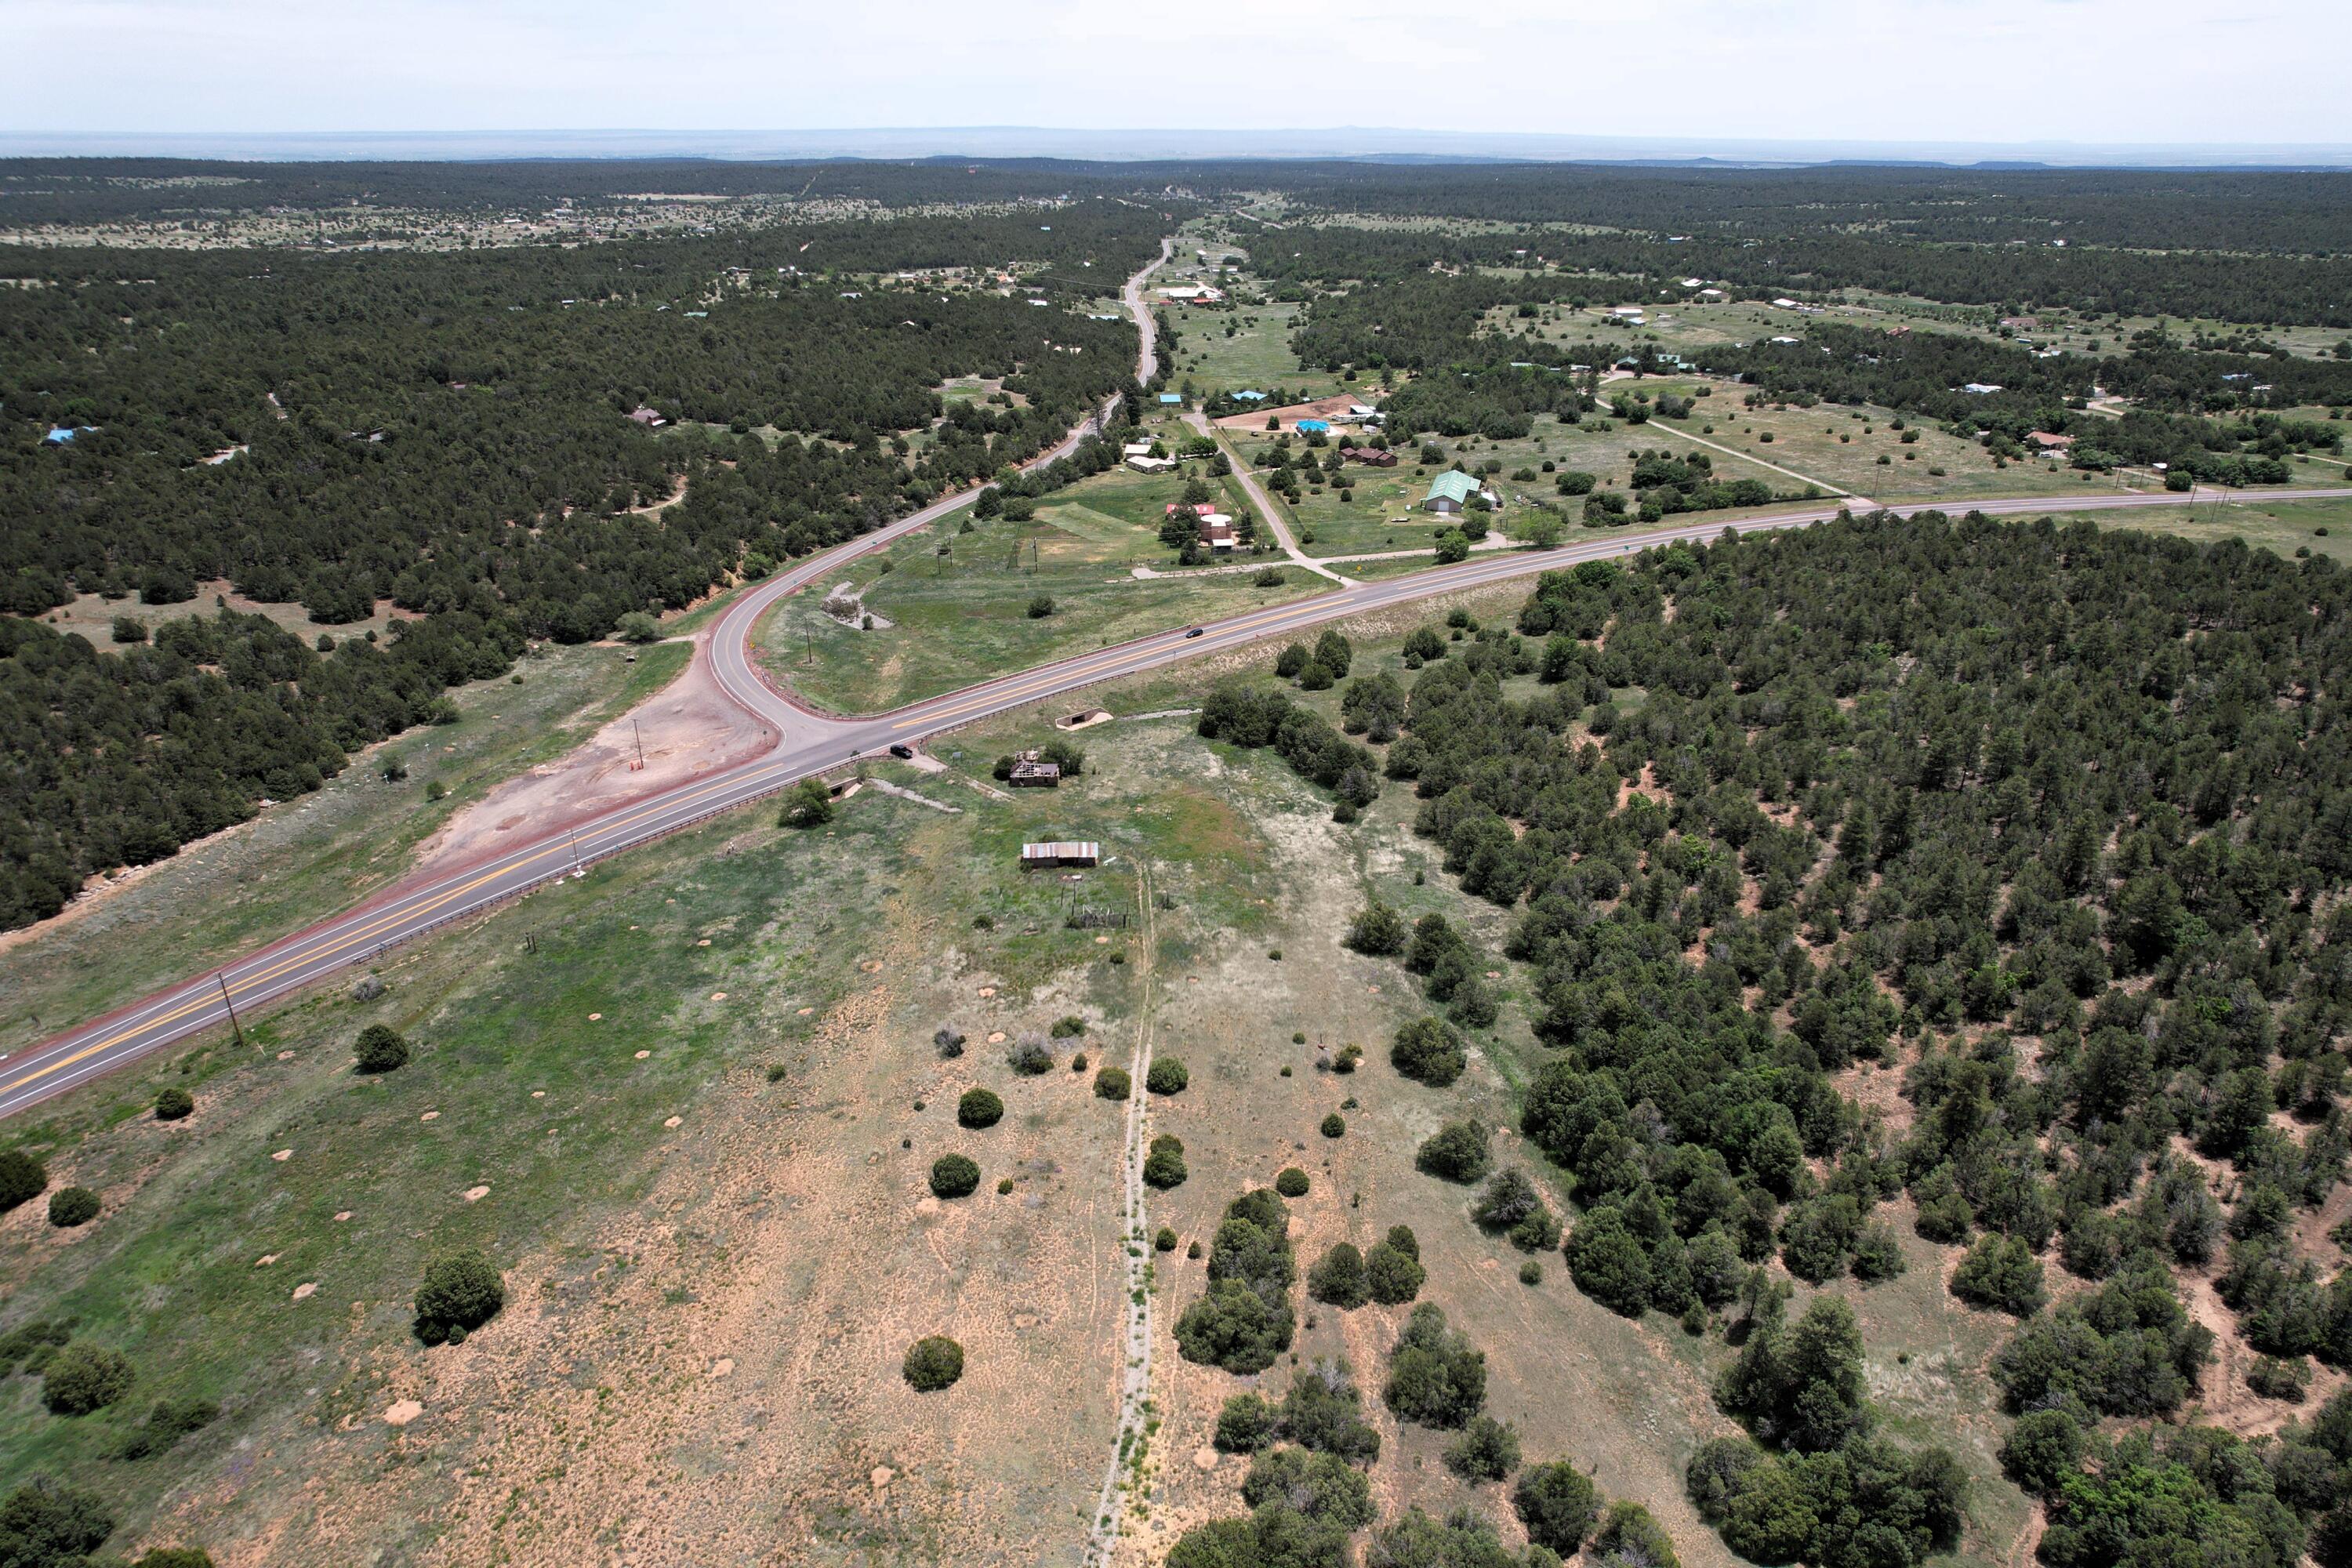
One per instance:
(1449, 492)
(1371, 457)
(1147, 465)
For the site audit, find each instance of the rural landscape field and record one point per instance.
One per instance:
(1411, 858)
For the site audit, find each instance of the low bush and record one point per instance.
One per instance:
(1428, 1051)
(934, 1362)
(1335, 1126)
(174, 1104)
(1244, 1425)
(1435, 1377)
(84, 1377)
(1166, 1076)
(22, 1178)
(1455, 1152)
(954, 1176)
(979, 1108)
(461, 1291)
(1337, 1278)
(167, 1422)
(1291, 1183)
(380, 1049)
(1030, 1056)
(1557, 1502)
(1113, 1083)
(1163, 1167)
(71, 1206)
(1488, 1450)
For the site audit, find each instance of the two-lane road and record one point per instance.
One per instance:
(811, 743)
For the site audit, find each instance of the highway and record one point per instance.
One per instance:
(811, 743)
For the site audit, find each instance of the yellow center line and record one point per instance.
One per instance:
(374, 927)
(1092, 664)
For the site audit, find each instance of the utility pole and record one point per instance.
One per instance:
(578, 870)
(640, 735)
(221, 979)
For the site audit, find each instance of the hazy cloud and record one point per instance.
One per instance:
(1944, 71)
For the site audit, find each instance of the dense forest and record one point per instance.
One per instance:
(2056, 824)
(2060, 823)
(450, 432)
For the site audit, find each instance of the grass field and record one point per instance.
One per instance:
(955, 621)
(1256, 355)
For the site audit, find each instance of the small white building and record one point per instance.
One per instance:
(1148, 465)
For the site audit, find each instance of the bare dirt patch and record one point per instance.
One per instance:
(688, 730)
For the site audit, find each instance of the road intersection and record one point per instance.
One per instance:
(811, 743)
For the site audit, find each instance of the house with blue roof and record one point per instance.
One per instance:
(1252, 396)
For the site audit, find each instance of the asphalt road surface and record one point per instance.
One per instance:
(811, 743)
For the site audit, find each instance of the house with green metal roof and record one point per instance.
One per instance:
(1449, 491)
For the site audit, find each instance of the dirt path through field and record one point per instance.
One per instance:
(1135, 1383)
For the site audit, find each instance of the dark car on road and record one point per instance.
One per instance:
(1194, 632)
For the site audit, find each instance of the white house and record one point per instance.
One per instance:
(1150, 464)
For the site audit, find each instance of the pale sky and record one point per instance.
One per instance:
(1979, 71)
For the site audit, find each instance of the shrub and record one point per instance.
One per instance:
(1488, 1450)
(1429, 1051)
(1391, 1276)
(1291, 1182)
(1435, 1377)
(1531, 1272)
(2041, 1450)
(461, 1292)
(979, 1108)
(1030, 1056)
(22, 1178)
(1166, 1076)
(1630, 1536)
(174, 1104)
(954, 1176)
(1337, 1279)
(1335, 1125)
(949, 1040)
(1377, 930)
(1165, 1241)
(1557, 1504)
(84, 1377)
(1163, 1167)
(2280, 1377)
(1245, 1426)
(169, 1421)
(808, 804)
(71, 1206)
(380, 1050)
(934, 1362)
(1065, 1028)
(1113, 1083)
(1245, 1320)
(43, 1525)
(2001, 1272)
(1455, 1152)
